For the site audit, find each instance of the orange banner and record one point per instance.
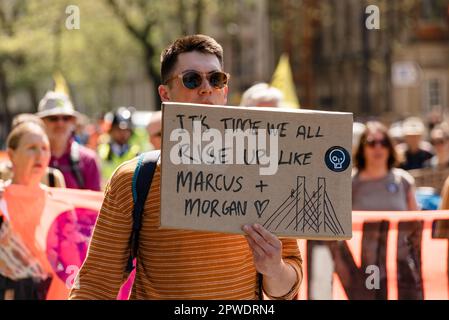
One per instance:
(56, 224)
(398, 255)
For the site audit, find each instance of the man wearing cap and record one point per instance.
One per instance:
(77, 163)
(414, 151)
(119, 146)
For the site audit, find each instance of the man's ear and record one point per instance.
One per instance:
(226, 90)
(163, 93)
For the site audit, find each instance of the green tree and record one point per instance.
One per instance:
(98, 57)
(20, 47)
(153, 24)
(34, 43)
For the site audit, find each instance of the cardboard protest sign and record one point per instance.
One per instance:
(288, 170)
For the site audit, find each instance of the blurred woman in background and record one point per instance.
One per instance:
(439, 138)
(26, 274)
(376, 184)
(28, 149)
(52, 177)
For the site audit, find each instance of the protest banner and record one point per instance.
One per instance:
(56, 226)
(288, 170)
(392, 255)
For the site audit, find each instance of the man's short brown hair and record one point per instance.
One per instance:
(198, 42)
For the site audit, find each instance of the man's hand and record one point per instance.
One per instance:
(266, 249)
(279, 277)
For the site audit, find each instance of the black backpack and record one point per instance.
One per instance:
(142, 178)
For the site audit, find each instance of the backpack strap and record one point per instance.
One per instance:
(51, 177)
(74, 163)
(143, 175)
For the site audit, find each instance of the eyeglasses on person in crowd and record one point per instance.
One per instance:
(439, 141)
(193, 79)
(58, 118)
(373, 142)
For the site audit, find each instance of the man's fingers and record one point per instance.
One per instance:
(255, 248)
(269, 249)
(252, 232)
(268, 236)
(256, 237)
(263, 237)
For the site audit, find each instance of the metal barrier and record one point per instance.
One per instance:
(430, 177)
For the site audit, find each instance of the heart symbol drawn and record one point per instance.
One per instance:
(261, 206)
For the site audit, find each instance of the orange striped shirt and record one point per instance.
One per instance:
(172, 264)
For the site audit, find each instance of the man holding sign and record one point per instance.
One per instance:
(182, 264)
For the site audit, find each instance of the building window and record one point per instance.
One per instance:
(435, 95)
(434, 92)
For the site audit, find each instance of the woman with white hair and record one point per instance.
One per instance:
(262, 95)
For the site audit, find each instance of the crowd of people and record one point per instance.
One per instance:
(51, 148)
(385, 159)
(191, 72)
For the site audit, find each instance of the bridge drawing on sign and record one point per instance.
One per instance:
(306, 212)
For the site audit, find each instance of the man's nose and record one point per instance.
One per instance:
(205, 87)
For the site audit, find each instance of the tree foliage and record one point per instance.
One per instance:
(34, 43)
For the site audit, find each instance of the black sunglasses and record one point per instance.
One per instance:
(193, 79)
(57, 118)
(382, 143)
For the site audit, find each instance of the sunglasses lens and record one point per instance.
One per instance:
(372, 143)
(218, 80)
(57, 118)
(192, 80)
